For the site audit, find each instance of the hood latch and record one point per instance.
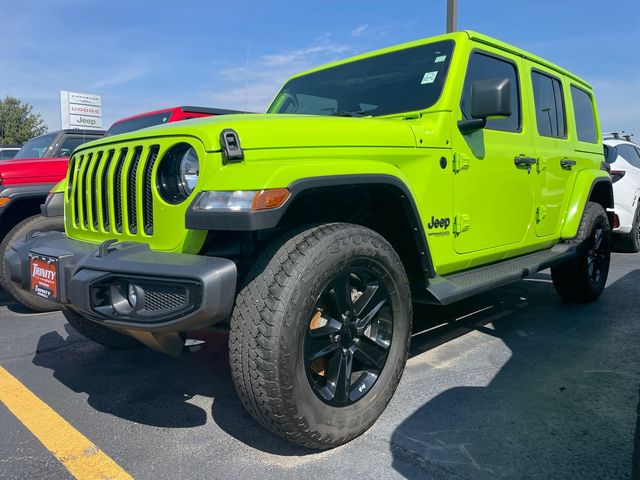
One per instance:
(231, 149)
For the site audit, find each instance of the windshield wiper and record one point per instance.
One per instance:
(344, 113)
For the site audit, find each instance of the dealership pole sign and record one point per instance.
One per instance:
(80, 110)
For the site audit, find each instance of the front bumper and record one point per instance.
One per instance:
(176, 292)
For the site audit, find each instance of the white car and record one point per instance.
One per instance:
(623, 158)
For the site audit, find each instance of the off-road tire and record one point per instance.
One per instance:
(97, 333)
(572, 280)
(270, 321)
(36, 223)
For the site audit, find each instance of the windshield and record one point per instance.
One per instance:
(138, 123)
(36, 147)
(396, 82)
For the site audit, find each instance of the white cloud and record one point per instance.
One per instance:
(125, 75)
(358, 31)
(252, 87)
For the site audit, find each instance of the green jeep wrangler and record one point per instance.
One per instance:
(425, 172)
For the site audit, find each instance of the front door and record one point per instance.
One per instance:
(495, 166)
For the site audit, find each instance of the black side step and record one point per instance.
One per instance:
(454, 287)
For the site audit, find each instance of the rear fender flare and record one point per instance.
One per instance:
(587, 187)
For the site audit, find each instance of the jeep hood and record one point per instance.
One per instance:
(282, 131)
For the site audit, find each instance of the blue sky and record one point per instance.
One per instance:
(142, 55)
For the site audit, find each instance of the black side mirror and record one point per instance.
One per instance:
(490, 98)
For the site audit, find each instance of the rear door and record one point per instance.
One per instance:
(555, 171)
(493, 197)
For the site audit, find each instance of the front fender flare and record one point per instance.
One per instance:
(265, 219)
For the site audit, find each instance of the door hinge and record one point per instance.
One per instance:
(541, 212)
(542, 165)
(461, 223)
(460, 162)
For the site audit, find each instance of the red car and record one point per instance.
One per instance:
(40, 164)
(26, 179)
(158, 117)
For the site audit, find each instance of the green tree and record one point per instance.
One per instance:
(18, 122)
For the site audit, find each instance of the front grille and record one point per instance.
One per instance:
(111, 189)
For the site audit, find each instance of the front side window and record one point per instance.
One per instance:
(390, 83)
(36, 147)
(485, 67)
(585, 118)
(69, 144)
(550, 114)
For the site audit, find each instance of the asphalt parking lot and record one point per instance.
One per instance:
(511, 384)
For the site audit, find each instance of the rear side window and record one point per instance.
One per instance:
(629, 153)
(550, 113)
(585, 119)
(484, 67)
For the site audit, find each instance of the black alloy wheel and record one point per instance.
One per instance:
(597, 251)
(348, 337)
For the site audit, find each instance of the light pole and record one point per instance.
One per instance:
(452, 15)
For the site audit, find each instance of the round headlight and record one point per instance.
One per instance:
(189, 171)
(178, 173)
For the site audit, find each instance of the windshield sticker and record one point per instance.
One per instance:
(429, 77)
(439, 59)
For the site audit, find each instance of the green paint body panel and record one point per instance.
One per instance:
(496, 210)
(59, 187)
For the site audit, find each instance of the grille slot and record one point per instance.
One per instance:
(95, 167)
(118, 190)
(147, 197)
(105, 190)
(132, 204)
(74, 206)
(85, 168)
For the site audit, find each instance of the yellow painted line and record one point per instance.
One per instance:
(75, 451)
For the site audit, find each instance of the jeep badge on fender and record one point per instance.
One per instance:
(439, 223)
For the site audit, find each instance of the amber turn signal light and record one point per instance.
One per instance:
(4, 201)
(266, 199)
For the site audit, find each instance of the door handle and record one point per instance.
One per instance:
(566, 164)
(525, 163)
